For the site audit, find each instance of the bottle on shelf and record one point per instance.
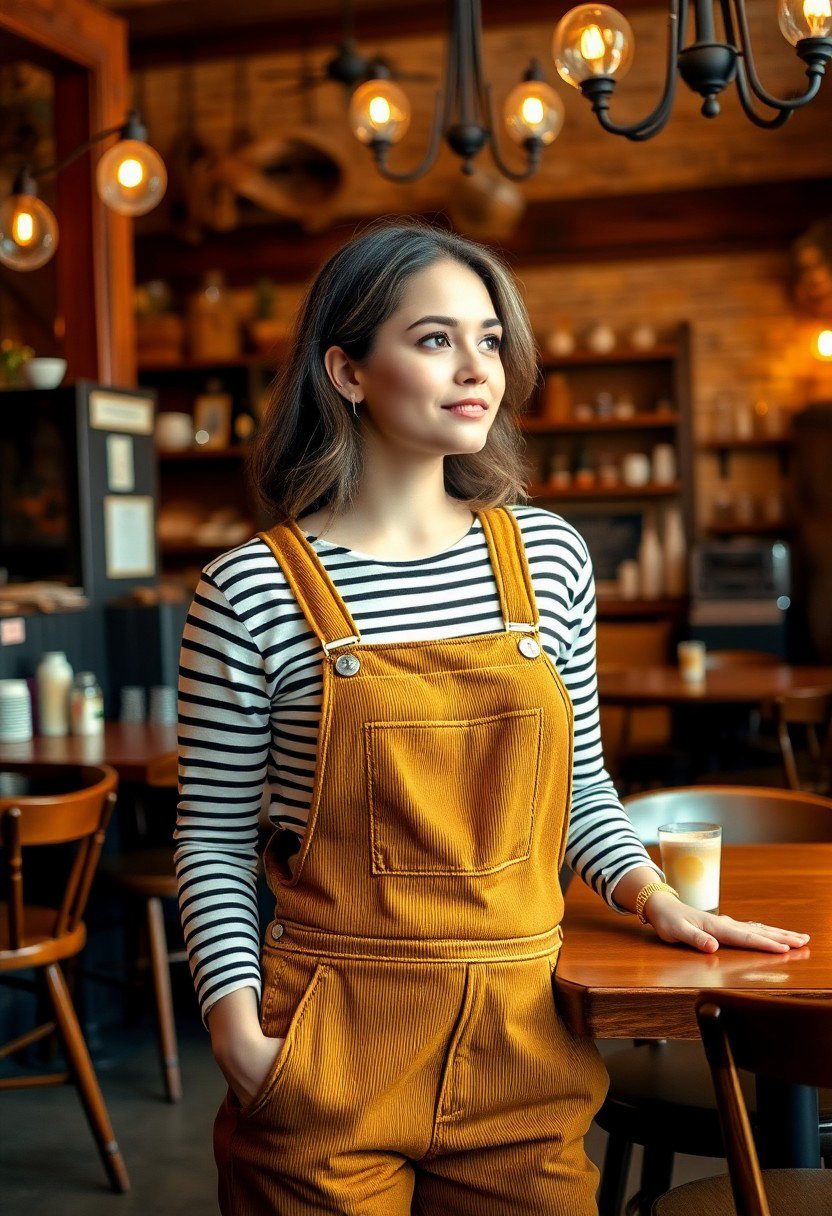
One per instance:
(86, 705)
(650, 563)
(674, 554)
(213, 324)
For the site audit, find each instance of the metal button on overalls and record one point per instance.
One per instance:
(425, 1067)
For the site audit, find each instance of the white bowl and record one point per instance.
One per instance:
(44, 373)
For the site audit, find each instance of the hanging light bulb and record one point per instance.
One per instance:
(379, 110)
(804, 19)
(822, 345)
(594, 40)
(28, 228)
(533, 109)
(131, 176)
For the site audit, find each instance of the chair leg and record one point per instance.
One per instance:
(656, 1176)
(168, 1049)
(617, 1157)
(85, 1079)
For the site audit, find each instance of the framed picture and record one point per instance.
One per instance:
(212, 420)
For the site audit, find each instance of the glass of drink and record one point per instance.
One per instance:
(691, 854)
(691, 656)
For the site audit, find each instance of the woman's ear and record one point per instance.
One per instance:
(341, 372)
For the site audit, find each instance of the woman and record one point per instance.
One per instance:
(406, 664)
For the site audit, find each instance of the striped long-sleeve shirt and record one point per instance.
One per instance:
(250, 682)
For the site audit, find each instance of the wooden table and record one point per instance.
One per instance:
(131, 748)
(663, 685)
(616, 979)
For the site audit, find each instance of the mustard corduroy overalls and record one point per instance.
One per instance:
(425, 1066)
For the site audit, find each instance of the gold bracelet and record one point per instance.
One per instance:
(645, 893)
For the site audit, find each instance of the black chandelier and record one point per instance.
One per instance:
(591, 47)
(594, 43)
(464, 112)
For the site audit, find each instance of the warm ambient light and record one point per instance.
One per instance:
(379, 110)
(533, 110)
(593, 40)
(28, 228)
(131, 177)
(805, 19)
(822, 345)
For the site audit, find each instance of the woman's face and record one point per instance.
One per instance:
(441, 346)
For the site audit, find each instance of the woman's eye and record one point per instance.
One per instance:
(492, 338)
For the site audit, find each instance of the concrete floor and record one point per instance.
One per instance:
(49, 1165)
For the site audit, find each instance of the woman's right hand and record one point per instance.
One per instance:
(246, 1065)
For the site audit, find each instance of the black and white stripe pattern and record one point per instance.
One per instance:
(249, 705)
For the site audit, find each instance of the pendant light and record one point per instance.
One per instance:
(130, 178)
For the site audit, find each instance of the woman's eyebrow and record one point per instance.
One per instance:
(489, 324)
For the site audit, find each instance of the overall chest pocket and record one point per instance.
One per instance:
(452, 797)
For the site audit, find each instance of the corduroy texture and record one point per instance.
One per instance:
(410, 963)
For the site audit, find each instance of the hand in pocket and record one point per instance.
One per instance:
(247, 1068)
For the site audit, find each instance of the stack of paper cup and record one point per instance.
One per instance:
(15, 711)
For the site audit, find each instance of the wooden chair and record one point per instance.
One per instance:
(149, 875)
(660, 1093)
(67, 805)
(812, 711)
(780, 1037)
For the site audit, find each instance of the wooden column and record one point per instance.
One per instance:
(86, 50)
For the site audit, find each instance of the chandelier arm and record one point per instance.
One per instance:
(814, 72)
(381, 148)
(745, 95)
(655, 121)
(534, 147)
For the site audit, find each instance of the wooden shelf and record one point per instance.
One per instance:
(237, 452)
(186, 366)
(602, 493)
(640, 422)
(761, 442)
(662, 352)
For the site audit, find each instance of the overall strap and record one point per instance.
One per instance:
(319, 600)
(511, 569)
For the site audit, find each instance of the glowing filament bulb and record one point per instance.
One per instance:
(533, 111)
(379, 111)
(817, 14)
(24, 227)
(592, 41)
(825, 344)
(130, 173)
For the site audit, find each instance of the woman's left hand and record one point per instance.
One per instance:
(675, 921)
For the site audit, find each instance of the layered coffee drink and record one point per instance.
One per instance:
(691, 854)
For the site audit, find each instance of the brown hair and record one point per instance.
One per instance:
(308, 453)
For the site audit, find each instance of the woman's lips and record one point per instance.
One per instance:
(466, 411)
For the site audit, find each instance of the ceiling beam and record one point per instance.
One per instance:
(210, 29)
(731, 219)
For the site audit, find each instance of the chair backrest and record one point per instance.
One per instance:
(748, 814)
(778, 1037)
(719, 660)
(66, 804)
(811, 709)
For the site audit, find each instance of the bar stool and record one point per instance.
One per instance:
(67, 805)
(660, 1094)
(149, 875)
